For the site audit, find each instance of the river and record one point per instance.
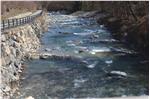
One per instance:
(97, 66)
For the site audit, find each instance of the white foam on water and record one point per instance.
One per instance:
(101, 26)
(82, 47)
(109, 61)
(100, 50)
(109, 40)
(78, 82)
(83, 33)
(92, 65)
(72, 44)
(76, 52)
(124, 50)
(91, 31)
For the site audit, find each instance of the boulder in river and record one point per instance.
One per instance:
(117, 74)
(30, 97)
(80, 51)
(45, 56)
(48, 49)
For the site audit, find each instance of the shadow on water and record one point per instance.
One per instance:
(93, 54)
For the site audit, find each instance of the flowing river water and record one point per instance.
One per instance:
(97, 66)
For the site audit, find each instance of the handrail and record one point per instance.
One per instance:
(10, 23)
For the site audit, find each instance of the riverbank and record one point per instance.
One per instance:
(17, 44)
(133, 34)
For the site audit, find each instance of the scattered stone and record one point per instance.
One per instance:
(117, 73)
(20, 71)
(6, 89)
(3, 38)
(48, 49)
(30, 97)
(80, 51)
(35, 55)
(7, 50)
(45, 56)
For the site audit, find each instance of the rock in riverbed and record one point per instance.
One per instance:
(118, 74)
(30, 97)
(48, 49)
(45, 55)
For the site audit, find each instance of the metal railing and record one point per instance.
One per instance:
(10, 23)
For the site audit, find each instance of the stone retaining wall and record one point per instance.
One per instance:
(18, 44)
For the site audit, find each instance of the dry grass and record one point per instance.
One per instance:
(13, 8)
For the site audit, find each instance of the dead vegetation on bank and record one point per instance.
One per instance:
(13, 8)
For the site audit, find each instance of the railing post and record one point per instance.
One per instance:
(3, 24)
(16, 22)
(23, 20)
(20, 21)
(28, 18)
(13, 22)
(8, 23)
(31, 18)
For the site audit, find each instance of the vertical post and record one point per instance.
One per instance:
(16, 22)
(28, 18)
(20, 21)
(3, 24)
(13, 22)
(25, 19)
(8, 23)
